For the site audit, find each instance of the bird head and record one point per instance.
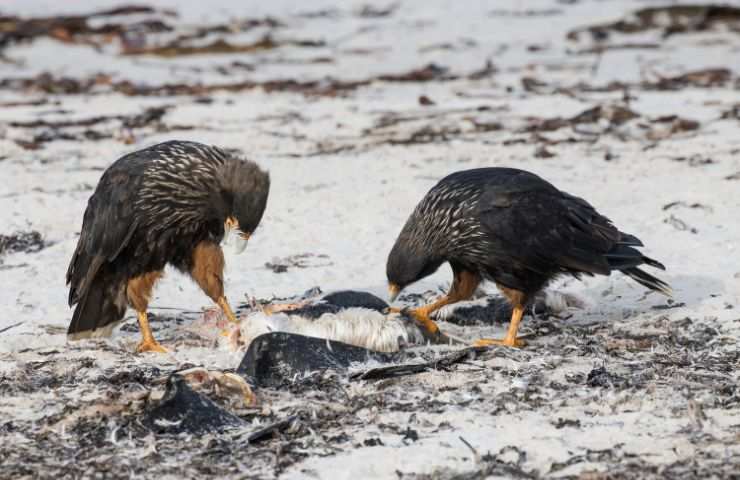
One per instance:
(247, 186)
(409, 261)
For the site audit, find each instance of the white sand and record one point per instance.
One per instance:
(350, 206)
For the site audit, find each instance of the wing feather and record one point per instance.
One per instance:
(545, 229)
(107, 228)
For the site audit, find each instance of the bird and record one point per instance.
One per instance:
(171, 203)
(513, 228)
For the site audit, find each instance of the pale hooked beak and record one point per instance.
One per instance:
(393, 291)
(232, 233)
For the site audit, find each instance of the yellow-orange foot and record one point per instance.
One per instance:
(428, 327)
(150, 346)
(487, 342)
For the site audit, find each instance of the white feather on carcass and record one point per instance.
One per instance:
(356, 326)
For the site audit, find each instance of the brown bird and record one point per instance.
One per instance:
(171, 203)
(515, 229)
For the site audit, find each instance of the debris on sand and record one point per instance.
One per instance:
(47, 83)
(139, 37)
(610, 119)
(231, 389)
(28, 242)
(705, 78)
(613, 115)
(269, 431)
(670, 20)
(543, 152)
(507, 463)
(123, 127)
(182, 409)
(300, 260)
(79, 29)
(600, 377)
(370, 11)
(176, 48)
(702, 78)
(664, 127)
(443, 363)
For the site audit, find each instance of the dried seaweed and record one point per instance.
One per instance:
(268, 431)
(47, 83)
(28, 242)
(78, 28)
(703, 78)
(614, 115)
(444, 363)
(220, 46)
(488, 466)
(600, 49)
(671, 20)
(687, 344)
(134, 36)
(105, 126)
(370, 11)
(183, 410)
(300, 260)
(664, 127)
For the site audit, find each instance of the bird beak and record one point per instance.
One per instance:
(233, 234)
(240, 242)
(393, 291)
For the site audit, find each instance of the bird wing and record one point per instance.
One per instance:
(543, 229)
(107, 227)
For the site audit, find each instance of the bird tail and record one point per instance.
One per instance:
(625, 258)
(649, 281)
(99, 310)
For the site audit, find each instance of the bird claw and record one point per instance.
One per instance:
(487, 342)
(150, 346)
(427, 326)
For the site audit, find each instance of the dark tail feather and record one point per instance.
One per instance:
(627, 239)
(622, 257)
(625, 258)
(648, 280)
(98, 312)
(653, 263)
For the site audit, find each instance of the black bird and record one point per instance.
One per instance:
(171, 203)
(515, 229)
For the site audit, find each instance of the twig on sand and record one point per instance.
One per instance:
(476, 455)
(3, 330)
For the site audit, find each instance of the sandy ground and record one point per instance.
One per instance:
(438, 87)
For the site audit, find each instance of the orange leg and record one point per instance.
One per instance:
(148, 343)
(138, 292)
(518, 299)
(208, 273)
(463, 287)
